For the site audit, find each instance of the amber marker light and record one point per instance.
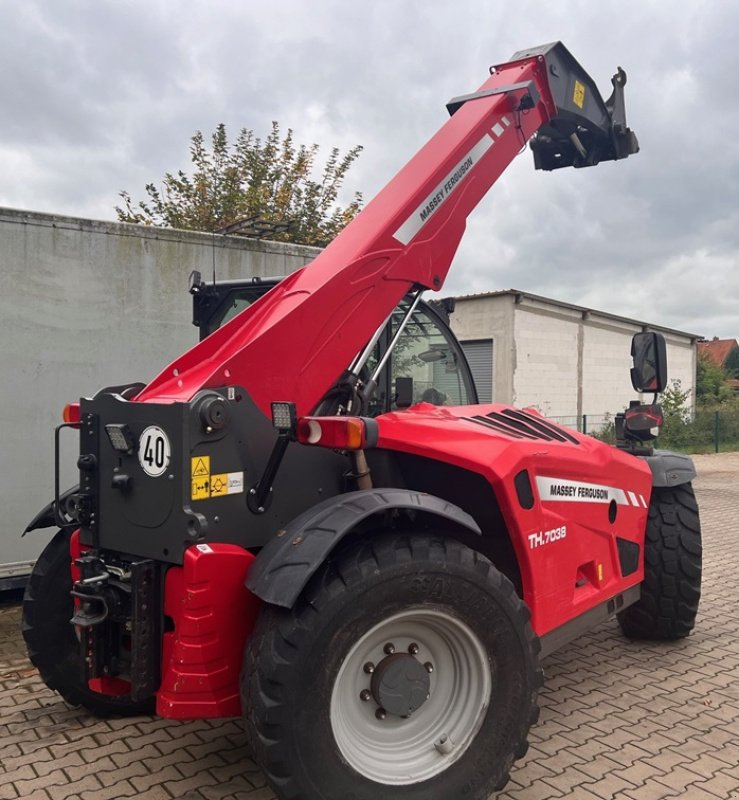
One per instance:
(71, 413)
(338, 433)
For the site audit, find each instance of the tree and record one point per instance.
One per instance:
(731, 365)
(270, 181)
(673, 402)
(710, 383)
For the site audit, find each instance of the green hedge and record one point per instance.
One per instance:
(710, 430)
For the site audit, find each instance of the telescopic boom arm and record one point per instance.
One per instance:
(295, 342)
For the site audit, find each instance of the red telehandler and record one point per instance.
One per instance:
(275, 527)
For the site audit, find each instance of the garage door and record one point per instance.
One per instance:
(479, 354)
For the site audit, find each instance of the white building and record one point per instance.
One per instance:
(565, 360)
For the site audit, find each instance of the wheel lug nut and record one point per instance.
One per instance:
(429, 667)
(380, 713)
(365, 695)
(389, 649)
(413, 649)
(369, 668)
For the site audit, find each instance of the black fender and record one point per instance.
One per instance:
(670, 469)
(286, 563)
(46, 519)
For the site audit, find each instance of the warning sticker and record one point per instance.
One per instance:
(226, 483)
(578, 96)
(200, 466)
(201, 488)
(218, 485)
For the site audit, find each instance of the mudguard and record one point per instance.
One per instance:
(289, 559)
(670, 469)
(45, 518)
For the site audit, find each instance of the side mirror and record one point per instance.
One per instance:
(649, 353)
(403, 392)
(195, 283)
(435, 354)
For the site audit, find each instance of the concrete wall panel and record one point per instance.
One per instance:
(86, 304)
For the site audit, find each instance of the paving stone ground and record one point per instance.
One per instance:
(620, 720)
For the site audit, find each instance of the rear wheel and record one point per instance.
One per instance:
(52, 644)
(672, 568)
(408, 669)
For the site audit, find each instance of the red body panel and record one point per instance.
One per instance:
(213, 613)
(551, 566)
(75, 551)
(276, 350)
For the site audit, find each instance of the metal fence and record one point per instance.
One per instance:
(594, 424)
(707, 430)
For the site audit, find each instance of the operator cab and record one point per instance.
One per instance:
(426, 364)
(213, 305)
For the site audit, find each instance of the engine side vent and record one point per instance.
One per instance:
(520, 425)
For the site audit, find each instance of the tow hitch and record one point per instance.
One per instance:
(118, 624)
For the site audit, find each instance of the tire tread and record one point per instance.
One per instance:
(671, 589)
(263, 685)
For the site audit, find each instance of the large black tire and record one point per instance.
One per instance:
(51, 641)
(672, 569)
(303, 679)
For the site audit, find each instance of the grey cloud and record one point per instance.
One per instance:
(104, 96)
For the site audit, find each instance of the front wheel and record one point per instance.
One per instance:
(408, 669)
(672, 568)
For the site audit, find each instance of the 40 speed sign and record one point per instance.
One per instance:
(154, 451)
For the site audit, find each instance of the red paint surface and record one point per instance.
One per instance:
(76, 548)
(213, 613)
(549, 572)
(114, 687)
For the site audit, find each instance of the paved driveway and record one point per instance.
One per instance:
(619, 720)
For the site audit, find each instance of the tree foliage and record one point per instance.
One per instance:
(271, 180)
(710, 383)
(674, 402)
(731, 365)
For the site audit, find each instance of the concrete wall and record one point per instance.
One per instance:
(86, 304)
(546, 365)
(477, 318)
(564, 360)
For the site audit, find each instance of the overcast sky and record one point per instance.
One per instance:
(99, 96)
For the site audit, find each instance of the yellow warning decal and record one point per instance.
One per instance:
(200, 466)
(578, 96)
(219, 485)
(201, 488)
(226, 483)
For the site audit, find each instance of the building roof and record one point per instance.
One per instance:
(717, 350)
(519, 296)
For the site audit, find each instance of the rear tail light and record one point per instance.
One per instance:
(71, 413)
(338, 433)
(644, 418)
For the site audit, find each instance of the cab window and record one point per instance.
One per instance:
(236, 302)
(426, 354)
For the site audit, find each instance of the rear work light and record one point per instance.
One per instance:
(71, 413)
(284, 417)
(121, 438)
(338, 433)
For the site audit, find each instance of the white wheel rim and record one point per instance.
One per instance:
(398, 751)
